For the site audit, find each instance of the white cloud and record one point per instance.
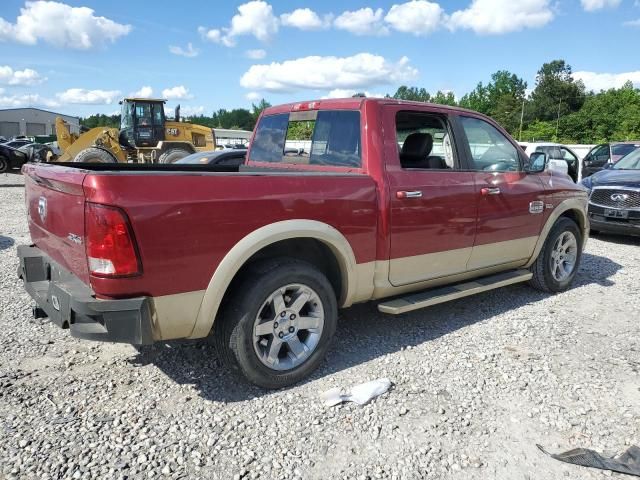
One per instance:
(62, 26)
(346, 93)
(362, 22)
(88, 97)
(179, 92)
(190, 111)
(419, 17)
(9, 76)
(253, 96)
(26, 100)
(327, 73)
(144, 92)
(604, 81)
(257, 54)
(593, 5)
(188, 52)
(253, 18)
(305, 19)
(493, 17)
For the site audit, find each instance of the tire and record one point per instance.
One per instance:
(248, 352)
(173, 155)
(554, 270)
(4, 165)
(94, 155)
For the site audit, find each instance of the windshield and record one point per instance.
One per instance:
(623, 148)
(629, 162)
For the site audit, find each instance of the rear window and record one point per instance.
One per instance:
(325, 137)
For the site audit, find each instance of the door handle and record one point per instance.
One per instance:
(411, 194)
(490, 191)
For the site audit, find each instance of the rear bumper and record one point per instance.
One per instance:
(71, 304)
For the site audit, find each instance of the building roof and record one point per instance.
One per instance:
(39, 109)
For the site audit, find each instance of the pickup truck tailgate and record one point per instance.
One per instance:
(55, 209)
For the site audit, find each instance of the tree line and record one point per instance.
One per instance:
(558, 108)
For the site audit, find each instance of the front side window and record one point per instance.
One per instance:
(423, 141)
(325, 137)
(490, 149)
(143, 115)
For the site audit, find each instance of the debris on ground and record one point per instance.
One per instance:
(628, 462)
(360, 394)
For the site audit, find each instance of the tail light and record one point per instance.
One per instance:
(110, 244)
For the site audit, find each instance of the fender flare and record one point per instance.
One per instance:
(255, 241)
(575, 204)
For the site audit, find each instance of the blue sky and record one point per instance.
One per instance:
(81, 57)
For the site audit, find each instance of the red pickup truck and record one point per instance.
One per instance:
(338, 202)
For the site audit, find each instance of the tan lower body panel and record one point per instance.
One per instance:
(452, 292)
(418, 268)
(175, 315)
(501, 252)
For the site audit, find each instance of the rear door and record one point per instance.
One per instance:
(596, 159)
(55, 212)
(510, 201)
(432, 201)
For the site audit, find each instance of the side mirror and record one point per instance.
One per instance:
(607, 165)
(537, 162)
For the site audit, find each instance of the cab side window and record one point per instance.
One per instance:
(490, 149)
(424, 141)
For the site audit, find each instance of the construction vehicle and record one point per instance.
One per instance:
(145, 136)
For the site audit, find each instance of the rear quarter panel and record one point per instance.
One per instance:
(185, 224)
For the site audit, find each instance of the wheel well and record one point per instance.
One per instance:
(575, 216)
(308, 250)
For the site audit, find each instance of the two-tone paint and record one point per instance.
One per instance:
(196, 230)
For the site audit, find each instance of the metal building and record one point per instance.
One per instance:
(32, 121)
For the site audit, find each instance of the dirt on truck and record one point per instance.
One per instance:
(406, 204)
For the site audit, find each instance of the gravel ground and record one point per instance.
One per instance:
(477, 383)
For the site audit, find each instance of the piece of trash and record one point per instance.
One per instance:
(628, 462)
(360, 394)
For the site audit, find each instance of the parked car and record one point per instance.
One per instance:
(38, 152)
(231, 156)
(600, 155)
(11, 158)
(17, 143)
(614, 196)
(566, 158)
(385, 204)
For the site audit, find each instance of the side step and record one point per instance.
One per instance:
(426, 298)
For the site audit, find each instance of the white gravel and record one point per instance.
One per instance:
(477, 383)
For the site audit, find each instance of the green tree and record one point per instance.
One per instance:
(101, 120)
(556, 93)
(412, 93)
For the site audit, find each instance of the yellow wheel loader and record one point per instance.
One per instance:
(145, 136)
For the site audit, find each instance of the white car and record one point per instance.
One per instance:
(561, 157)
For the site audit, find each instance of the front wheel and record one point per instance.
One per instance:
(4, 165)
(276, 328)
(558, 261)
(173, 155)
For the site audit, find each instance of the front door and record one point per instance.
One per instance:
(433, 202)
(511, 202)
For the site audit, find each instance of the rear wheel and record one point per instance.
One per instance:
(558, 261)
(276, 329)
(4, 165)
(173, 155)
(94, 155)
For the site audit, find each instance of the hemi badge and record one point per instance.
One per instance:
(536, 207)
(549, 205)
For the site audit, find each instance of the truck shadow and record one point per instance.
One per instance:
(6, 242)
(363, 334)
(619, 239)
